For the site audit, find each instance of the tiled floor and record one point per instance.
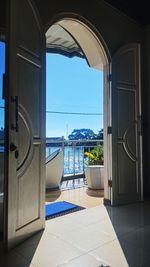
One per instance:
(94, 237)
(73, 183)
(79, 196)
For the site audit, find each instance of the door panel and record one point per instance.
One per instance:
(26, 123)
(28, 25)
(31, 74)
(126, 168)
(125, 71)
(126, 136)
(30, 211)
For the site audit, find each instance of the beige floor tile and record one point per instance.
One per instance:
(88, 237)
(91, 215)
(84, 261)
(49, 253)
(111, 253)
(63, 224)
(79, 196)
(106, 226)
(102, 228)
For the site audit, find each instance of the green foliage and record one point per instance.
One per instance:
(85, 134)
(100, 135)
(96, 156)
(82, 134)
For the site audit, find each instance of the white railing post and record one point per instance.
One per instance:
(79, 158)
(68, 160)
(71, 158)
(63, 149)
(74, 158)
(83, 159)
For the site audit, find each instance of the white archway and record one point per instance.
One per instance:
(97, 57)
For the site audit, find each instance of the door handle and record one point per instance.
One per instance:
(13, 147)
(15, 101)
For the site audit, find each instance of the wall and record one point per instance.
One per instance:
(116, 30)
(146, 109)
(2, 14)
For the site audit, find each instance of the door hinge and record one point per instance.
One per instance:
(109, 183)
(109, 130)
(109, 77)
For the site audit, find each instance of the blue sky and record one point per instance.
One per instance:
(72, 87)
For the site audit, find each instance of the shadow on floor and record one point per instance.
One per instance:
(14, 258)
(132, 227)
(95, 193)
(52, 195)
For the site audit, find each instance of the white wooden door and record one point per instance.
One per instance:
(126, 126)
(25, 123)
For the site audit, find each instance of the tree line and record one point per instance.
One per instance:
(85, 134)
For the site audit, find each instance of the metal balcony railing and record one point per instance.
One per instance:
(74, 157)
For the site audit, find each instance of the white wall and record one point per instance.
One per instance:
(115, 29)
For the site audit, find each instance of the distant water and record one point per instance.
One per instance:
(69, 154)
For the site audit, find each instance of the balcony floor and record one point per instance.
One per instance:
(81, 196)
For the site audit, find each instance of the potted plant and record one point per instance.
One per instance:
(95, 168)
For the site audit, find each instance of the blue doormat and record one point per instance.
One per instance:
(60, 208)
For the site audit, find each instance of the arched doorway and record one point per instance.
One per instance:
(93, 49)
(25, 120)
(122, 109)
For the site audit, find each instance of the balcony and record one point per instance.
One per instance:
(73, 152)
(74, 160)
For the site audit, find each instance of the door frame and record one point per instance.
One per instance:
(3, 39)
(103, 48)
(107, 101)
(107, 90)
